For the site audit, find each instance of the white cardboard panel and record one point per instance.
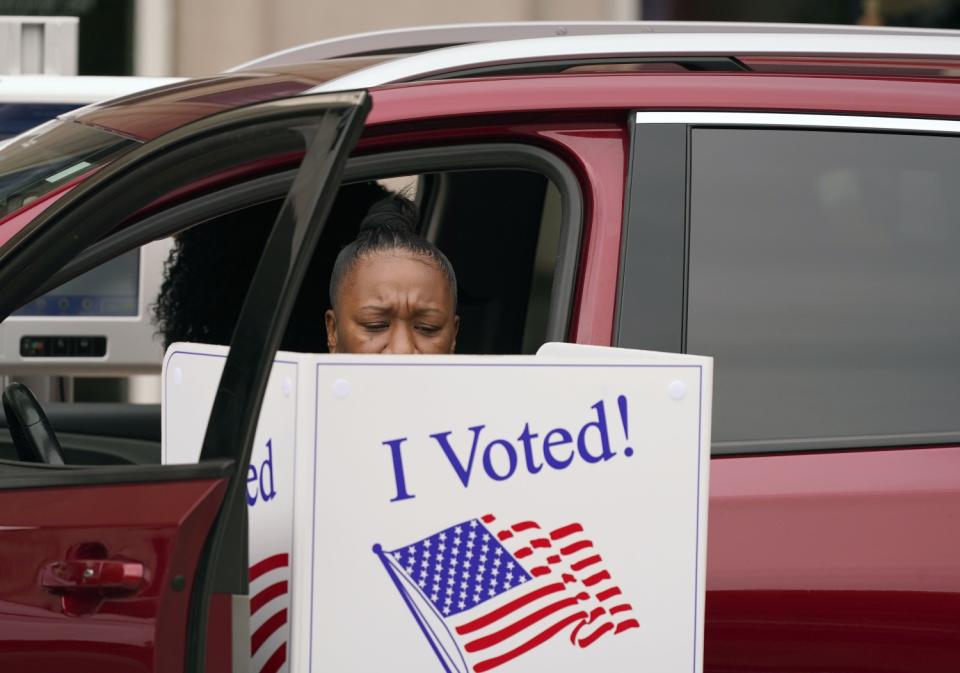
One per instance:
(470, 434)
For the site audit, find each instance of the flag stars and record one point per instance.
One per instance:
(498, 551)
(473, 523)
(461, 605)
(443, 537)
(434, 597)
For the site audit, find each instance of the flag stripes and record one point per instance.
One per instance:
(504, 633)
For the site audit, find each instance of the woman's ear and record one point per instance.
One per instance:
(456, 331)
(331, 320)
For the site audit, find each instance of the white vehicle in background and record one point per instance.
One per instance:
(29, 100)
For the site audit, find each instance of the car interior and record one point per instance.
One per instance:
(511, 234)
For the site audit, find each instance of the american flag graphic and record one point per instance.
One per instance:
(484, 594)
(269, 602)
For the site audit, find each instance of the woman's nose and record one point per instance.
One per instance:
(401, 341)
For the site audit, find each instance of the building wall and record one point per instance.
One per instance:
(213, 35)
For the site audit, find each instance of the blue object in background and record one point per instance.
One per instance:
(16, 118)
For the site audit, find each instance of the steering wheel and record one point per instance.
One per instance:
(33, 436)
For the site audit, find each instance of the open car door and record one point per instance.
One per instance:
(117, 568)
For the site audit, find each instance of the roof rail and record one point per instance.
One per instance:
(466, 60)
(416, 40)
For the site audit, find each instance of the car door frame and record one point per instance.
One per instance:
(331, 125)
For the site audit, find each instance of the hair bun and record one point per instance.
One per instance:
(394, 214)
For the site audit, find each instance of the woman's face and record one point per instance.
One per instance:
(393, 302)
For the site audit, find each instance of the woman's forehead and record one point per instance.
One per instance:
(390, 272)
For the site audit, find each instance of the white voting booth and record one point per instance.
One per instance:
(469, 513)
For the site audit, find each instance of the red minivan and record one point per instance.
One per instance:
(781, 198)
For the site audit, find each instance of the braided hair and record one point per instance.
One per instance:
(389, 225)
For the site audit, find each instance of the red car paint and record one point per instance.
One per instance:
(832, 561)
(162, 525)
(845, 560)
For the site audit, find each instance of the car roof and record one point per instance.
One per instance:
(744, 48)
(505, 57)
(148, 114)
(427, 38)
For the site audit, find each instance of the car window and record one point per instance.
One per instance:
(49, 156)
(823, 280)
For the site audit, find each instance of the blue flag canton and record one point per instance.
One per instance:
(461, 567)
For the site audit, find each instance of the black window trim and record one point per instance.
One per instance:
(395, 163)
(656, 230)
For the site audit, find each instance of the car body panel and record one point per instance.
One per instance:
(839, 562)
(162, 525)
(688, 91)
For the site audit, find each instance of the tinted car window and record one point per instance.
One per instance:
(49, 156)
(824, 279)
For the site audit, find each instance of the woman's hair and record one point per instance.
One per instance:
(390, 225)
(209, 269)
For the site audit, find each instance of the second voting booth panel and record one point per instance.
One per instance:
(469, 513)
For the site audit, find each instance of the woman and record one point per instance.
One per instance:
(391, 290)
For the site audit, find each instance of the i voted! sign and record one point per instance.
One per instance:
(473, 514)
(479, 514)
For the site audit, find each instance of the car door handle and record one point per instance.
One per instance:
(106, 577)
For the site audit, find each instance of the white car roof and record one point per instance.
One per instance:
(77, 90)
(420, 39)
(944, 44)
